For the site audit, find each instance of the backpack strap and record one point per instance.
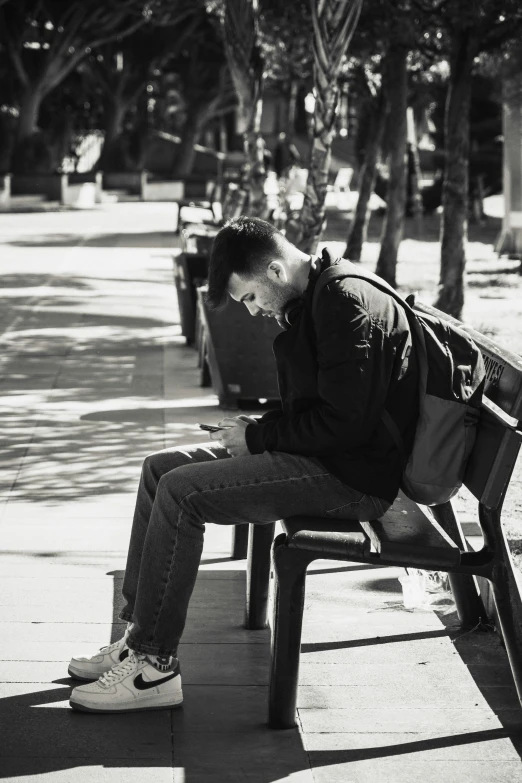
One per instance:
(346, 268)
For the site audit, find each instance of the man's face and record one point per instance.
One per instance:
(263, 294)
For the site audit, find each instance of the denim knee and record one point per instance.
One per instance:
(150, 468)
(178, 487)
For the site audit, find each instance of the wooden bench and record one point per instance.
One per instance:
(407, 535)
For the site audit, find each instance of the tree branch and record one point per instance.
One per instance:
(14, 54)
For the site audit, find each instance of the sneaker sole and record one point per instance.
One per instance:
(75, 674)
(83, 708)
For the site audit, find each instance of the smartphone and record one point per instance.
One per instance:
(211, 427)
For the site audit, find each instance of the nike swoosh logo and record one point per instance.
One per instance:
(124, 654)
(141, 685)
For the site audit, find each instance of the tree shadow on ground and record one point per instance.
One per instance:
(159, 239)
(83, 394)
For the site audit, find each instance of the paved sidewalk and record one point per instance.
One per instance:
(94, 376)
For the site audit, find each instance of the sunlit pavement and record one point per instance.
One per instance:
(94, 376)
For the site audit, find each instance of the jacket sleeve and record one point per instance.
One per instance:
(354, 373)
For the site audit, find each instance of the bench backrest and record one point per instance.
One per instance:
(497, 445)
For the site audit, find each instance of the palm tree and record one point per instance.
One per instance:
(334, 22)
(239, 24)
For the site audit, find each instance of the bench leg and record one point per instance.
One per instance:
(240, 542)
(258, 575)
(508, 601)
(289, 593)
(470, 608)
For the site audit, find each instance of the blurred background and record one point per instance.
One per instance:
(409, 110)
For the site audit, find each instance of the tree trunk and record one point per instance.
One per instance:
(334, 24)
(186, 156)
(396, 88)
(255, 171)
(240, 36)
(115, 114)
(454, 226)
(292, 110)
(29, 112)
(415, 206)
(367, 174)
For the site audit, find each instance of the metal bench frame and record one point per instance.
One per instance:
(424, 538)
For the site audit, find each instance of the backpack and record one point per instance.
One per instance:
(451, 383)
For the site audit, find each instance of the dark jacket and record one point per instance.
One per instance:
(337, 370)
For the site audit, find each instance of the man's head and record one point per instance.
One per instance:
(255, 264)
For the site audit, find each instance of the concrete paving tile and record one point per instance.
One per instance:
(236, 664)
(478, 649)
(363, 629)
(87, 770)
(47, 727)
(407, 652)
(61, 537)
(400, 771)
(255, 756)
(489, 745)
(25, 586)
(46, 642)
(27, 671)
(47, 651)
(428, 719)
(220, 708)
(68, 611)
(431, 673)
(32, 634)
(52, 563)
(60, 592)
(503, 697)
(232, 664)
(108, 506)
(224, 567)
(26, 383)
(34, 365)
(215, 632)
(218, 538)
(12, 692)
(41, 567)
(491, 675)
(215, 563)
(403, 695)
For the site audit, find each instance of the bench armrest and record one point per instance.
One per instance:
(499, 415)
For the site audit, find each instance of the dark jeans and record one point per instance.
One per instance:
(182, 489)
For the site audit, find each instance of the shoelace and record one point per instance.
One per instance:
(119, 671)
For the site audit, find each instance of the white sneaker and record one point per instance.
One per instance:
(107, 657)
(133, 684)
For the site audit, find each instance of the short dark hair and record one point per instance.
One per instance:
(244, 245)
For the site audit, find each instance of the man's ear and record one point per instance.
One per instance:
(276, 272)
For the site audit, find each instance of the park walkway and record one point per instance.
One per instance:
(94, 376)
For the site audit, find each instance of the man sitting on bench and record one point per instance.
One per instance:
(325, 453)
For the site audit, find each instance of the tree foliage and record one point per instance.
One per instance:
(46, 40)
(285, 32)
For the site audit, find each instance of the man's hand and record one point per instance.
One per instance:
(233, 438)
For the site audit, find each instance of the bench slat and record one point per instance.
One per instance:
(333, 538)
(407, 534)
